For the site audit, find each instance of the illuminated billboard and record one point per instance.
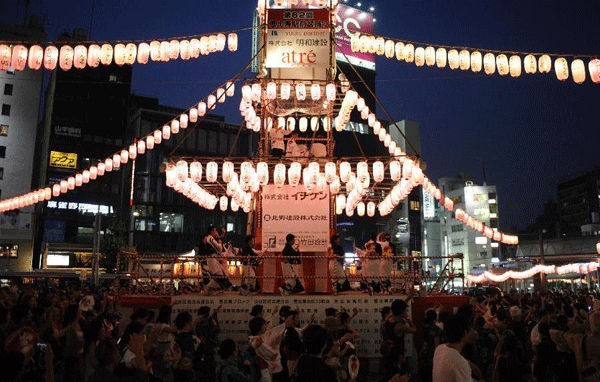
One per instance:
(350, 21)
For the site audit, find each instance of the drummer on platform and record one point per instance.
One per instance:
(291, 266)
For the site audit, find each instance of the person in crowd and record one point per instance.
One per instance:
(266, 354)
(185, 346)
(331, 323)
(133, 355)
(249, 263)
(311, 364)
(369, 267)
(291, 266)
(396, 326)
(107, 356)
(229, 370)
(161, 338)
(276, 136)
(386, 262)
(584, 341)
(509, 366)
(207, 329)
(431, 339)
(96, 331)
(448, 364)
(339, 279)
(73, 344)
(216, 271)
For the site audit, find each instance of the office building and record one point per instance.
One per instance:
(579, 204)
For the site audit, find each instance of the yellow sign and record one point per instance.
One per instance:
(63, 160)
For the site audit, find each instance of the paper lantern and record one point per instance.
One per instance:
(395, 170)
(173, 49)
(389, 48)
(330, 92)
(271, 91)
(185, 51)
(502, 64)
(300, 92)
(155, 51)
(262, 172)
(594, 68)
(101, 167)
(392, 147)
(419, 56)
(201, 109)
(150, 142)
(165, 51)
(489, 64)
(515, 66)
(211, 101)
(441, 57)
(141, 147)
(285, 91)
(71, 183)
(123, 156)
(378, 171)
(294, 173)
(66, 57)
(382, 134)
(335, 186)
(5, 55)
(212, 169)
(143, 53)
(315, 92)
(19, 58)
(232, 42)
(330, 172)
(376, 127)
(229, 89)
(430, 56)
(279, 175)
(399, 51)
(387, 141)
(291, 124)
(578, 70)
(36, 57)
(48, 193)
(409, 53)
(561, 67)
(93, 172)
(130, 53)
(204, 49)
(370, 209)
(360, 209)
(544, 64)
(340, 203)
(345, 171)
(195, 171)
(476, 62)
(55, 190)
(407, 169)
(223, 201)
(314, 123)
(530, 64)
(379, 46)
(109, 164)
(362, 169)
(221, 41)
(85, 176)
(349, 211)
(303, 124)
(106, 54)
(453, 59)
(120, 54)
(464, 59)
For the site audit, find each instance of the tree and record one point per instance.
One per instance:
(112, 242)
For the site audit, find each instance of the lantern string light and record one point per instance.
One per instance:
(546, 269)
(99, 169)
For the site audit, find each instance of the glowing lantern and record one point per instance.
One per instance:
(155, 51)
(220, 95)
(464, 58)
(502, 64)
(303, 124)
(271, 91)
(315, 92)
(211, 100)
(55, 190)
(578, 70)
(204, 49)
(379, 46)
(399, 51)
(285, 90)
(185, 51)
(362, 169)
(489, 63)
(395, 170)
(300, 92)
(314, 123)
(594, 67)
(453, 59)
(232, 42)
(193, 115)
(66, 57)
(530, 64)
(143, 53)
(330, 172)
(378, 171)
(561, 67)
(349, 211)
(150, 142)
(340, 203)
(360, 209)
(109, 164)
(141, 147)
(345, 171)
(419, 56)
(164, 51)
(229, 89)
(355, 43)
(106, 54)
(392, 147)
(174, 49)
(85, 176)
(223, 201)
(407, 169)
(409, 53)
(19, 57)
(221, 41)
(195, 171)
(101, 168)
(335, 186)
(545, 64)
(382, 134)
(441, 57)
(476, 62)
(389, 48)
(370, 209)
(130, 53)
(387, 141)
(120, 54)
(36, 57)
(279, 175)
(201, 109)
(212, 169)
(122, 157)
(294, 173)
(515, 66)
(48, 193)
(262, 172)
(291, 123)
(5, 56)
(93, 172)
(71, 183)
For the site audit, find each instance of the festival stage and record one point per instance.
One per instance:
(235, 311)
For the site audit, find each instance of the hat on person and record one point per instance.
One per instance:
(22, 340)
(87, 303)
(289, 237)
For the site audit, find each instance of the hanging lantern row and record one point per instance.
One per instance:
(584, 269)
(80, 56)
(263, 5)
(350, 100)
(254, 92)
(114, 161)
(465, 59)
(479, 226)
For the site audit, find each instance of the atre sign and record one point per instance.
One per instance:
(297, 38)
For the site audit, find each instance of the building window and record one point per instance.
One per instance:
(483, 255)
(3, 130)
(493, 208)
(457, 228)
(491, 195)
(2, 151)
(415, 205)
(1, 173)
(171, 222)
(494, 223)
(5, 109)
(8, 89)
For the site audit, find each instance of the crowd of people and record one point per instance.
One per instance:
(74, 334)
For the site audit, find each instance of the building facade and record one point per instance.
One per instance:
(579, 204)
(479, 201)
(20, 93)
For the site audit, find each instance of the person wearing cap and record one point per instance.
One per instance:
(291, 266)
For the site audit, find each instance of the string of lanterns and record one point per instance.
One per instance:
(547, 269)
(92, 55)
(113, 162)
(505, 63)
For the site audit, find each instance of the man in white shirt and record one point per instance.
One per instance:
(448, 364)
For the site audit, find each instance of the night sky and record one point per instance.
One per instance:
(531, 131)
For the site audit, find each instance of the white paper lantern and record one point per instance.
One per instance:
(399, 51)
(262, 172)
(212, 170)
(330, 171)
(211, 101)
(116, 159)
(279, 175)
(378, 171)
(223, 201)
(489, 63)
(271, 90)
(141, 147)
(93, 58)
(124, 156)
(315, 92)
(340, 203)
(93, 172)
(502, 64)
(409, 53)
(578, 70)
(441, 57)
(430, 56)
(515, 65)
(300, 92)
(291, 124)
(285, 90)
(85, 177)
(476, 62)
(360, 209)
(530, 64)
(330, 91)
(294, 174)
(345, 170)
(395, 170)
(232, 42)
(389, 48)
(464, 59)
(544, 64)
(196, 171)
(303, 124)
(66, 57)
(201, 109)
(362, 170)
(379, 46)
(80, 57)
(594, 68)
(227, 171)
(182, 170)
(561, 67)
(453, 59)
(314, 123)
(109, 164)
(335, 186)
(419, 56)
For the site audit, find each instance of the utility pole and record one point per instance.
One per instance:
(543, 262)
(96, 256)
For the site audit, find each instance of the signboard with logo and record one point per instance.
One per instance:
(297, 38)
(63, 160)
(67, 131)
(349, 22)
(54, 231)
(290, 209)
(428, 206)
(83, 208)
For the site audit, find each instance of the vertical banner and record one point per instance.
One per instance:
(290, 209)
(349, 22)
(297, 38)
